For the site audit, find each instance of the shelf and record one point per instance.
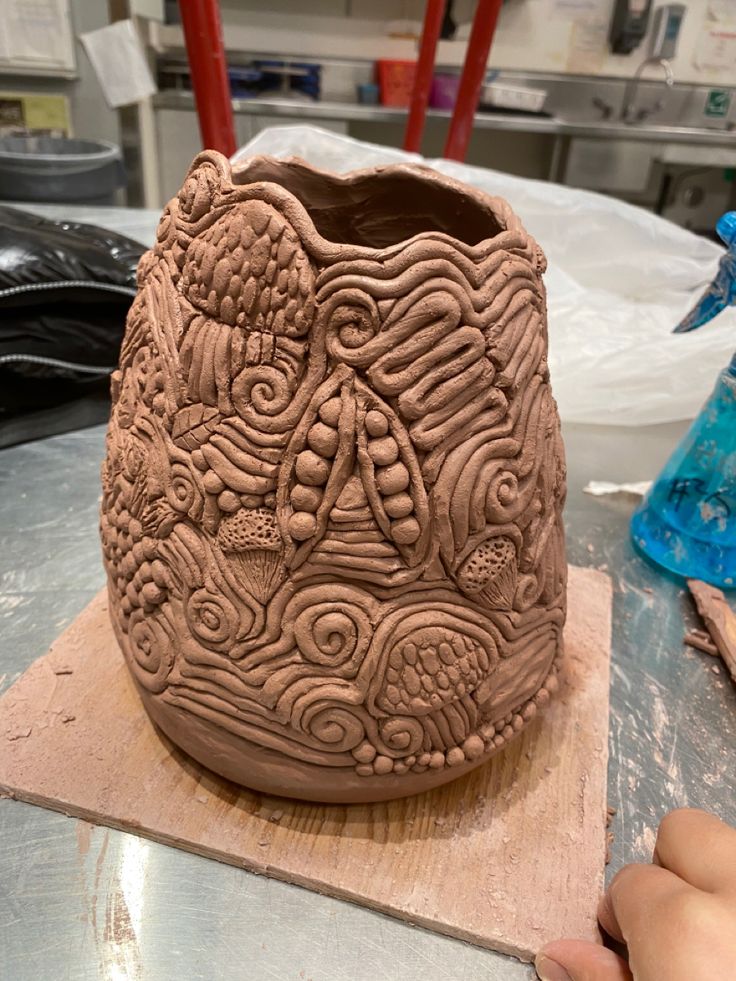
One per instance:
(509, 122)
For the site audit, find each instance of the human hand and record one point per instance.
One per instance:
(677, 916)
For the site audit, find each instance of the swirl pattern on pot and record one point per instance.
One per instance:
(332, 495)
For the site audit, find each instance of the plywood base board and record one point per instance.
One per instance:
(509, 857)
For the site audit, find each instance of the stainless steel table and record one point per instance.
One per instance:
(89, 903)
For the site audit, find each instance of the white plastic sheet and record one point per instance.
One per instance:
(619, 280)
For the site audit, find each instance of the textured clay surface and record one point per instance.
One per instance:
(74, 737)
(332, 496)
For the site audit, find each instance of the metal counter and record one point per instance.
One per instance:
(510, 122)
(81, 903)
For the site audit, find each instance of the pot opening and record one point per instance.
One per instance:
(377, 210)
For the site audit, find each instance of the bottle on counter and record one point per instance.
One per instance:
(687, 521)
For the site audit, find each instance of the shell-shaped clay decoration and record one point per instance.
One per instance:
(332, 494)
(490, 571)
(251, 538)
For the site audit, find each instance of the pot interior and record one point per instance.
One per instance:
(377, 209)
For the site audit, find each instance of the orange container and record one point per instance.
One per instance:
(395, 81)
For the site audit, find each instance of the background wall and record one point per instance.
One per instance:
(572, 36)
(569, 36)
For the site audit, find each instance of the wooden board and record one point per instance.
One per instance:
(509, 857)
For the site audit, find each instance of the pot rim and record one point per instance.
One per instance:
(236, 185)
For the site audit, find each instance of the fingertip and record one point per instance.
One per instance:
(549, 969)
(607, 917)
(678, 814)
(579, 960)
(624, 894)
(620, 884)
(688, 821)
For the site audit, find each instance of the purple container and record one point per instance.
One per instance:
(443, 93)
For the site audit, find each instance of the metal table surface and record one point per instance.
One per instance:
(80, 902)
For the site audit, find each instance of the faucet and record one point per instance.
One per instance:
(629, 113)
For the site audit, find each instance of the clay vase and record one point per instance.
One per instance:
(332, 497)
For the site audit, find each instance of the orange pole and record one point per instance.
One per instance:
(433, 14)
(474, 69)
(206, 53)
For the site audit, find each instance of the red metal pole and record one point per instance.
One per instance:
(206, 52)
(433, 15)
(474, 69)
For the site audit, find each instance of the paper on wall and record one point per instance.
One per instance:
(723, 10)
(152, 9)
(576, 8)
(37, 34)
(716, 48)
(119, 60)
(589, 20)
(588, 47)
(34, 112)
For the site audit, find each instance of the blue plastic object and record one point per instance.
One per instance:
(722, 291)
(687, 521)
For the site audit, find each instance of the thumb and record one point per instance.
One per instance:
(578, 960)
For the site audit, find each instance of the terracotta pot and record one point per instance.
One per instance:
(332, 496)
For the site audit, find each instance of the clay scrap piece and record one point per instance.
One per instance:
(701, 641)
(719, 618)
(332, 498)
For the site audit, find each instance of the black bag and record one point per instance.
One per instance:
(65, 290)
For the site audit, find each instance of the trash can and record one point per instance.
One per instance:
(59, 169)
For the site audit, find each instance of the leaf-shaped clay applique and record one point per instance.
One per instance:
(317, 463)
(391, 476)
(206, 358)
(193, 425)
